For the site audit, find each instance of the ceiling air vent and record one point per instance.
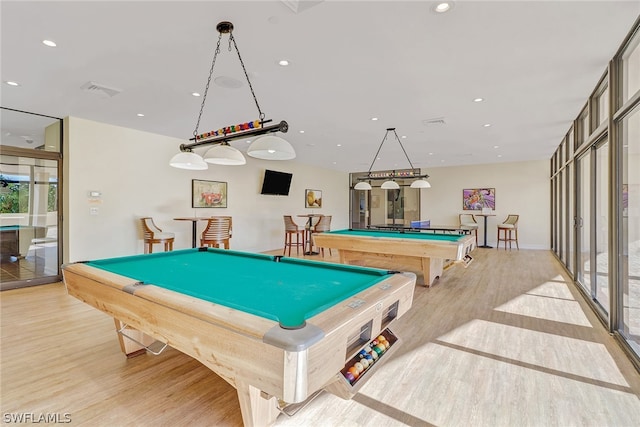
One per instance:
(434, 122)
(100, 89)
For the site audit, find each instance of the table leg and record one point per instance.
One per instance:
(309, 241)
(256, 408)
(485, 234)
(194, 230)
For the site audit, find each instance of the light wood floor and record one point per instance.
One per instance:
(506, 342)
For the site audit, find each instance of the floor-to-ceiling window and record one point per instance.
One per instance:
(602, 197)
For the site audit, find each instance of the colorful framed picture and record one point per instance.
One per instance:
(312, 198)
(208, 194)
(476, 199)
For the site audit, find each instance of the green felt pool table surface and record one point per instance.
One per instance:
(400, 235)
(286, 290)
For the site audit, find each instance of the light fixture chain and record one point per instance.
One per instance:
(206, 89)
(377, 152)
(232, 39)
(403, 150)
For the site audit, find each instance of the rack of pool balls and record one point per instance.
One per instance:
(362, 362)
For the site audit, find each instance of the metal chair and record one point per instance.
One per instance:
(468, 222)
(509, 229)
(291, 229)
(153, 234)
(217, 232)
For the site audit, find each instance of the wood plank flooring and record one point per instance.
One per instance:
(507, 341)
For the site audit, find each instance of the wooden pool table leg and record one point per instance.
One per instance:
(432, 269)
(256, 409)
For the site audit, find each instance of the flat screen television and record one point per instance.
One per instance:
(275, 182)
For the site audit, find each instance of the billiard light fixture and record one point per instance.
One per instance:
(268, 147)
(391, 184)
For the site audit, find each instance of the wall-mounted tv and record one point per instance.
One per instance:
(275, 182)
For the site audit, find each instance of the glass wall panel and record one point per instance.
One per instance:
(562, 217)
(631, 69)
(629, 133)
(583, 213)
(570, 218)
(601, 243)
(602, 105)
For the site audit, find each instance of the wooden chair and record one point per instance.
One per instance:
(291, 229)
(153, 234)
(323, 224)
(217, 232)
(468, 222)
(508, 232)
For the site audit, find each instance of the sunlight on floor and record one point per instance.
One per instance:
(550, 301)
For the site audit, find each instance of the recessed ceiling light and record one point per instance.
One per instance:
(283, 62)
(374, 118)
(195, 94)
(442, 7)
(248, 141)
(338, 145)
(478, 100)
(301, 131)
(499, 155)
(404, 137)
(49, 43)
(10, 83)
(496, 146)
(487, 125)
(140, 115)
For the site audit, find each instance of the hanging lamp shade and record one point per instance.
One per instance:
(420, 183)
(271, 147)
(188, 160)
(362, 186)
(224, 155)
(389, 185)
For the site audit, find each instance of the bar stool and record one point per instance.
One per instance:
(508, 232)
(291, 229)
(323, 224)
(468, 222)
(217, 232)
(153, 234)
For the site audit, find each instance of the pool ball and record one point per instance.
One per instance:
(364, 362)
(374, 355)
(353, 371)
(378, 350)
(382, 338)
(359, 367)
(349, 376)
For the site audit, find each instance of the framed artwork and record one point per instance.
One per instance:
(208, 194)
(476, 199)
(312, 198)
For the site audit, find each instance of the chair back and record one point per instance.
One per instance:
(512, 220)
(289, 224)
(467, 219)
(149, 228)
(324, 224)
(218, 228)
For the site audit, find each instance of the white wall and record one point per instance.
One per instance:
(522, 188)
(131, 171)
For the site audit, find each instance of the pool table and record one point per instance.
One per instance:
(424, 252)
(278, 329)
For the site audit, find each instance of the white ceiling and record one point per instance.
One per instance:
(534, 62)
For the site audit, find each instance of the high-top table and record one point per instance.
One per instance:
(194, 226)
(308, 229)
(484, 245)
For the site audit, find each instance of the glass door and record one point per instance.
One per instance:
(28, 221)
